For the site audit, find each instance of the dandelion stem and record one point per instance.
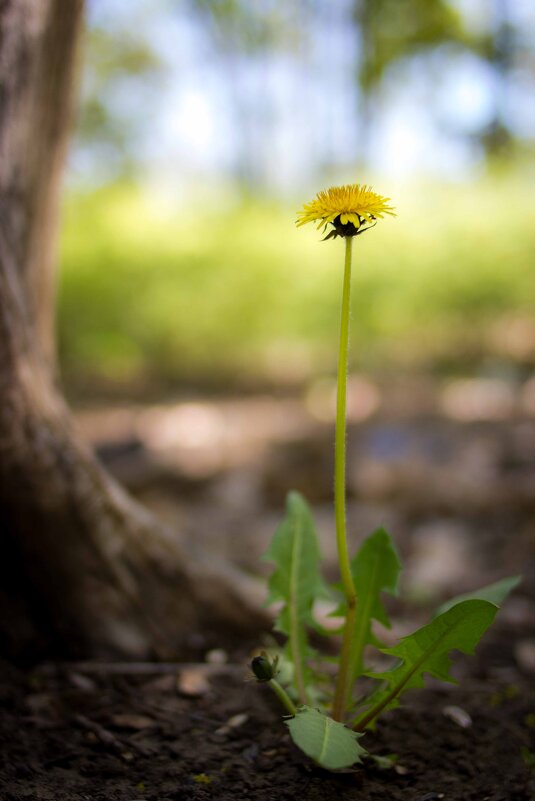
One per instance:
(340, 436)
(343, 682)
(283, 696)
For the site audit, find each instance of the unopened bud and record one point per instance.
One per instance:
(262, 668)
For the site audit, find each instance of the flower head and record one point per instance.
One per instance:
(351, 209)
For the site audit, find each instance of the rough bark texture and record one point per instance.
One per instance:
(83, 568)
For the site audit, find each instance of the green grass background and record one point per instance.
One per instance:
(217, 293)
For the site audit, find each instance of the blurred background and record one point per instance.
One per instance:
(198, 326)
(205, 124)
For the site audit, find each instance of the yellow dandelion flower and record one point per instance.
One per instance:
(350, 209)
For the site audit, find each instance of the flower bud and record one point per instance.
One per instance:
(263, 669)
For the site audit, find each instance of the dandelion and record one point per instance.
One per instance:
(351, 209)
(319, 725)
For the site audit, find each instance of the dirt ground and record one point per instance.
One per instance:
(69, 733)
(452, 483)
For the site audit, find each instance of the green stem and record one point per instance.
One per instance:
(340, 436)
(344, 679)
(343, 682)
(283, 696)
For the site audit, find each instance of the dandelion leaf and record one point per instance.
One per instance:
(330, 744)
(375, 569)
(495, 593)
(296, 582)
(427, 651)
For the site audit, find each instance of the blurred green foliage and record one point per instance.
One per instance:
(391, 31)
(122, 76)
(222, 293)
(140, 59)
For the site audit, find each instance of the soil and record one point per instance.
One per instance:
(458, 499)
(149, 732)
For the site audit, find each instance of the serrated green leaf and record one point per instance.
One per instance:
(427, 651)
(495, 593)
(375, 569)
(329, 743)
(297, 582)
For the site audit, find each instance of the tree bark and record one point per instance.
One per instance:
(84, 570)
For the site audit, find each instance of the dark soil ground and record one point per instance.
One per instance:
(456, 494)
(68, 733)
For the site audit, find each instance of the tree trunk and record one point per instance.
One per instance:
(84, 570)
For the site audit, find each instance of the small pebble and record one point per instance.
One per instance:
(233, 723)
(217, 656)
(192, 682)
(458, 715)
(81, 682)
(238, 720)
(525, 655)
(135, 722)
